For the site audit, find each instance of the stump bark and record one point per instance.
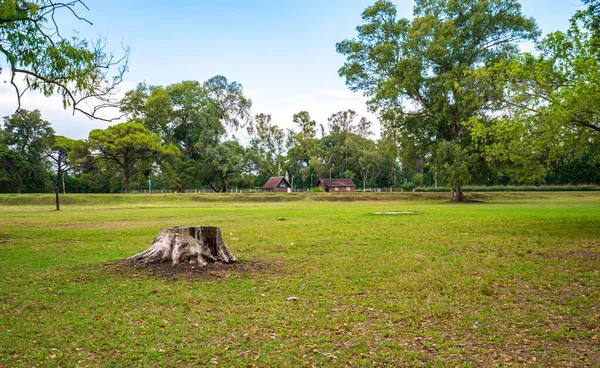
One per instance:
(187, 244)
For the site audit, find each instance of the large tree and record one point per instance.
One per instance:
(192, 115)
(28, 135)
(269, 142)
(129, 148)
(342, 129)
(36, 50)
(419, 74)
(225, 165)
(13, 168)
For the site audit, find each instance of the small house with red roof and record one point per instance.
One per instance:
(277, 184)
(336, 185)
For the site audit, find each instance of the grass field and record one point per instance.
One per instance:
(513, 281)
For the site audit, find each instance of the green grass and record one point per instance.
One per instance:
(512, 281)
(517, 188)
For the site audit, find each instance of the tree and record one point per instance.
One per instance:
(28, 135)
(366, 160)
(551, 105)
(305, 148)
(58, 153)
(230, 105)
(226, 163)
(388, 151)
(419, 75)
(269, 141)
(13, 167)
(341, 126)
(592, 18)
(192, 115)
(35, 49)
(129, 148)
(94, 175)
(452, 164)
(306, 124)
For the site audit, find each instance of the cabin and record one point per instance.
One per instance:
(336, 185)
(277, 184)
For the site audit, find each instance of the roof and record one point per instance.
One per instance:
(274, 182)
(337, 182)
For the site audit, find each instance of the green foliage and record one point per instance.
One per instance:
(551, 106)
(27, 135)
(192, 116)
(306, 124)
(13, 168)
(408, 186)
(417, 179)
(418, 74)
(269, 144)
(591, 17)
(129, 148)
(35, 49)
(226, 162)
(452, 164)
(58, 153)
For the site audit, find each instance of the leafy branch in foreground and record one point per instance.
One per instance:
(82, 73)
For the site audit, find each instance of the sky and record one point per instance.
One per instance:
(281, 51)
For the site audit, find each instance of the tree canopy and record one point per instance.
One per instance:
(129, 148)
(420, 74)
(25, 137)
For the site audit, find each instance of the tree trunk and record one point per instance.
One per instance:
(57, 186)
(187, 244)
(278, 165)
(457, 194)
(127, 190)
(224, 180)
(57, 200)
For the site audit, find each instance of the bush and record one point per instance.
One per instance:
(418, 180)
(317, 190)
(409, 186)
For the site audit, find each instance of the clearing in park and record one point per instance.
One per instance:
(322, 280)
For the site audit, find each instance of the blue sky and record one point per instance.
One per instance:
(282, 52)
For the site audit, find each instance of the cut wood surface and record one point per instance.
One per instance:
(187, 244)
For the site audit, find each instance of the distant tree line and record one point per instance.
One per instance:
(459, 101)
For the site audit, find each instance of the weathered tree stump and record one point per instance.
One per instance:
(187, 244)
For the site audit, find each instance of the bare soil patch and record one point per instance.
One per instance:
(398, 213)
(4, 238)
(186, 271)
(591, 255)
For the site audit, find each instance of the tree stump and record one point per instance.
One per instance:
(187, 244)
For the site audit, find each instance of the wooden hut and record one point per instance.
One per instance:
(277, 184)
(336, 185)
